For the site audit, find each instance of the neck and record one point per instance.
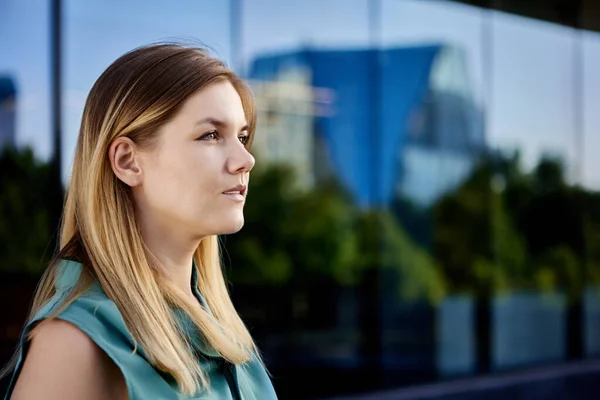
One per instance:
(174, 254)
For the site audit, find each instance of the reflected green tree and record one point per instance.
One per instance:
(506, 229)
(259, 252)
(292, 234)
(463, 232)
(299, 237)
(590, 206)
(503, 229)
(25, 231)
(419, 276)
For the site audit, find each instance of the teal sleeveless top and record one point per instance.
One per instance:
(99, 318)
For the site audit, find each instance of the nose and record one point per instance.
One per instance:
(240, 160)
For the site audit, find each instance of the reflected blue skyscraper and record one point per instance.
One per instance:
(8, 94)
(414, 130)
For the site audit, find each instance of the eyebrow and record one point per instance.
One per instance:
(218, 123)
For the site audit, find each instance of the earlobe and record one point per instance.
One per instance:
(124, 161)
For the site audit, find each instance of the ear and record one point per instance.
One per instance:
(124, 161)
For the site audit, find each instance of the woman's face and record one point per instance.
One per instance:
(195, 180)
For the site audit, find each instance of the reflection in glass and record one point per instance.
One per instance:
(25, 150)
(590, 60)
(8, 105)
(433, 129)
(95, 35)
(416, 211)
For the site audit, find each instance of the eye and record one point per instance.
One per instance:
(244, 139)
(212, 135)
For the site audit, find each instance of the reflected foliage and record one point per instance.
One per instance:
(506, 229)
(502, 229)
(294, 235)
(299, 237)
(25, 231)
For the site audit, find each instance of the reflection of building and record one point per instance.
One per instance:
(287, 104)
(403, 121)
(8, 95)
(285, 121)
(443, 131)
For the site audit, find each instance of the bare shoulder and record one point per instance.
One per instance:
(64, 363)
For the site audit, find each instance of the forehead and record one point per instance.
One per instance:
(219, 100)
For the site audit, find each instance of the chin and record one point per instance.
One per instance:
(232, 226)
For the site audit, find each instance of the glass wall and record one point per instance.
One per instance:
(535, 228)
(95, 35)
(425, 200)
(433, 133)
(588, 48)
(25, 150)
(300, 281)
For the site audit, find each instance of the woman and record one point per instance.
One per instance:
(135, 304)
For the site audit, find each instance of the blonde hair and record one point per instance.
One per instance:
(134, 97)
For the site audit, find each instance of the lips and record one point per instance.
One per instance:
(237, 193)
(239, 189)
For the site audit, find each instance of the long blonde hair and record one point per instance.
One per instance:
(134, 97)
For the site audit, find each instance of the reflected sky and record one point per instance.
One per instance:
(530, 94)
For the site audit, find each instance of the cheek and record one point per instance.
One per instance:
(164, 183)
(185, 181)
(161, 191)
(187, 188)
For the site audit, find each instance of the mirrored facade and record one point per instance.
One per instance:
(424, 205)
